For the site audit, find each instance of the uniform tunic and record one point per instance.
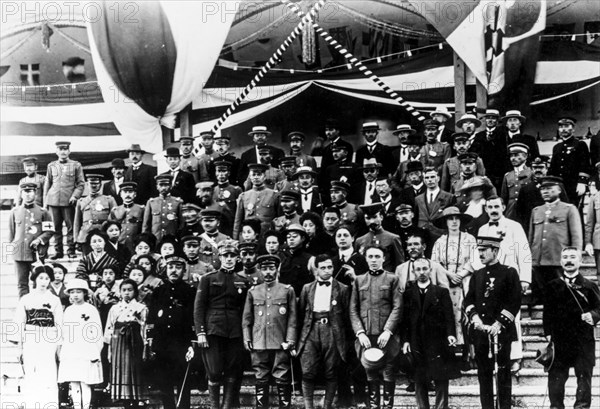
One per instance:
(389, 242)
(39, 180)
(227, 195)
(131, 218)
(451, 173)
(511, 187)
(257, 202)
(272, 177)
(571, 161)
(191, 165)
(90, 213)
(435, 154)
(162, 216)
(82, 345)
(269, 320)
(282, 222)
(350, 215)
(64, 181)
(209, 253)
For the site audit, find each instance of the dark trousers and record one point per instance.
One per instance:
(441, 394)
(542, 275)
(485, 373)
(388, 370)
(23, 268)
(271, 362)
(172, 366)
(223, 358)
(557, 377)
(597, 260)
(62, 214)
(320, 355)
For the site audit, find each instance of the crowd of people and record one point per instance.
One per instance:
(336, 273)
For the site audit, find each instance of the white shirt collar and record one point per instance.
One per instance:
(520, 168)
(417, 187)
(422, 286)
(346, 253)
(434, 192)
(372, 144)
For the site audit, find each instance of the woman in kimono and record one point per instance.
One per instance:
(118, 251)
(93, 264)
(151, 281)
(80, 363)
(39, 316)
(456, 251)
(126, 335)
(143, 245)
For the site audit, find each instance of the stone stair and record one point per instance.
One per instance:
(529, 388)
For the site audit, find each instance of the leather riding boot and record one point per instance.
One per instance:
(308, 394)
(388, 394)
(374, 394)
(228, 393)
(284, 393)
(214, 395)
(262, 395)
(330, 390)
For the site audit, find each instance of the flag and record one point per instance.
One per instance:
(30, 74)
(512, 49)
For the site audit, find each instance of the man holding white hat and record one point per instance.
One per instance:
(375, 150)
(513, 122)
(259, 136)
(441, 115)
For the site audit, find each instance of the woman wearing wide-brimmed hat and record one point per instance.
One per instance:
(456, 251)
(477, 189)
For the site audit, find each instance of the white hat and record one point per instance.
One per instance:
(468, 118)
(441, 110)
(77, 284)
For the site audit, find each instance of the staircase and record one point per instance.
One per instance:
(529, 388)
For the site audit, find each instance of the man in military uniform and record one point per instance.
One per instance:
(296, 144)
(129, 214)
(294, 259)
(273, 175)
(289, 202)
(451, 170)
(225, 193)
(248, 256)
(491, 304)
(288, 167)
(30, 228)
(189, 162)
(323, 341)
(389, 242)
(375, 313)
(63, 187)
(552, 227)
(112, 187)
(171, 333)
(516, 179)
(372, 149)
(190, 216)
(342, 169)
(31, 176)
(350, 214)
(222, 154)
(162, 214)
(141, 173)
(91, 211)
(310, 200)
(182, 182)
(207, 155)
(571, 161)
(196, 268)
(218, 322)
(269, 327)
(434, 151)
(210, 239)
(468, 167)
(405, 226)
(260, 201)
(205, 194)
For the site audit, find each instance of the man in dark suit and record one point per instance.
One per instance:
(431, 204)
(365, 192)
(111, 188)
(513, 122)
(222, 154)
(304, 179)
(442, 115)
(342, 169)
(428, 332)
(400, 177)
(141, 174)
(324, 340)
(183, 182)
(347, 263)
(375, 150)
(332, 132)
(259, 135)
(414, 176)
(490, 145)
(571, 311)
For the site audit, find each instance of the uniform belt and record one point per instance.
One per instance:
(321, 317)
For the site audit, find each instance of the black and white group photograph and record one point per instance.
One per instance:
(300, 204)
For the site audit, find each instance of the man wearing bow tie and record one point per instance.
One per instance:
(323, 341)
(571, 310)
(375, 314)
(91, 211)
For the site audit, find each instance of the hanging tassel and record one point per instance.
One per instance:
(308, 43)
(46, 34)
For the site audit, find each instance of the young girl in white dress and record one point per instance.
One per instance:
(39, 316)
(82, 343)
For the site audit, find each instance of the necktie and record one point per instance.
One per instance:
(430, 198)
(571, 280)
(494, 224)
(325, 283)
(371, 150)
(343, 258)
(403, 151)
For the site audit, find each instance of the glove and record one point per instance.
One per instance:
(589, 248)
(581, 189)
(477, 323)
(202, 341)
(495, 328)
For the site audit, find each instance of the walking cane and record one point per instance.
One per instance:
(494, 347)
(187, 370)
(293, 381)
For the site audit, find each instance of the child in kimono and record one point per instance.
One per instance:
(57, 286)
(92, 264)
(38, 316)
(82, 343)
(144, 244)
(126, 335)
